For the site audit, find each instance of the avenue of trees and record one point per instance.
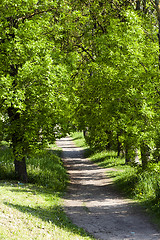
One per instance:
(86, 65)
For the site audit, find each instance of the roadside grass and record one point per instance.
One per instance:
(30, 212)
(142, 185)
(35, 210)
(80, 142)
(79, 139)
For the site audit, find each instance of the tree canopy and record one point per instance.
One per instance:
(90, 65)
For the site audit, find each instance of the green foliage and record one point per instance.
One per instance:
(115, 90)
(33, 75)
(44, 168)
(6, 163)
(89, 66)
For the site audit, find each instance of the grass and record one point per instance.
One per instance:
(44, 168)
(35, 210)
(80, 142)
(142, 185)
(30, 212)
(79, 139)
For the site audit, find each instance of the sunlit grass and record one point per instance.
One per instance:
(107, 159)
(30, 212)
(79, 139)
(35, 210)
(80, 142)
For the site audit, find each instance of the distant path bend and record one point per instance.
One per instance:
(92, 203)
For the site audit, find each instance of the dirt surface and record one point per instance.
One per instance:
(92, 202)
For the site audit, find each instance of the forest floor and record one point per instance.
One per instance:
(93, 203)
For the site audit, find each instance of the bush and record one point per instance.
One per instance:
(44, 168)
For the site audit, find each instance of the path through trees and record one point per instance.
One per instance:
(93, 203)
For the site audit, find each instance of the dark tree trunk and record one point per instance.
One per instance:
(84, 133)
(144, 6)
(18, 144)
(118, 146)
(20, 170)
(127, 156)
(138, 5)
(131, 153)
(19, 157)
(145, 154)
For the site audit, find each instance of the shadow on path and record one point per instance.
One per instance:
(92, 202)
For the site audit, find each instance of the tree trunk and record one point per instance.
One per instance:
(130, 151)
(19, 157)
(18, 144)
(127, 156)
(144, 6)
(20, 170)
(145, 154)
(118, 146)
(138, 5)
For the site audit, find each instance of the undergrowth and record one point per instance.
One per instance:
(44, 168)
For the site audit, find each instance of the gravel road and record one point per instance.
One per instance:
(91, 201)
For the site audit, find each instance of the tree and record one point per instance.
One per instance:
(32, 75)
(116, 89)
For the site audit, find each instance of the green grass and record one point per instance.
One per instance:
(35, 210)
(79, 139)
(44, 168)
(30, 212)
(80, 142)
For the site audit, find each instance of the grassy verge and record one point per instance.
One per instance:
(80, 142)
(34, 211)
(134, 182)
(79, 139)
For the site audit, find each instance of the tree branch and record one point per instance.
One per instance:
(86, 51)
(37, 12)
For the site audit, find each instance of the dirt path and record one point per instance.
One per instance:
(92, 203)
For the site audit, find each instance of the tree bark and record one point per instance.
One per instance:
(138, 5)
(145, 154)
(19, 158)
(127, 156)
(118, 146)
(20, 170)
(18, 145)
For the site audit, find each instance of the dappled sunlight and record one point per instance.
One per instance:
(93, 203)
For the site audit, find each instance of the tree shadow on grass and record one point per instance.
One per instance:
(125, 184)
(108, 161)
(52, 214)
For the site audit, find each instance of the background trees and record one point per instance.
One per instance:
(116, 90)
(90, 65)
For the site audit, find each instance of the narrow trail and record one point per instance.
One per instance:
(92, 203)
